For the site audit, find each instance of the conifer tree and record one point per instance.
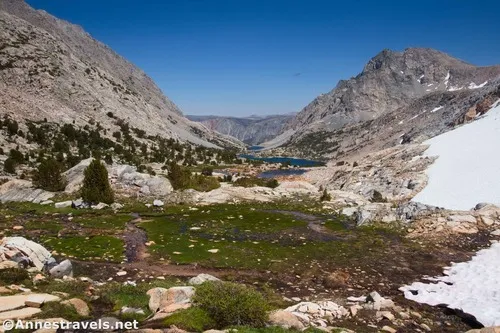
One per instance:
(96, 187)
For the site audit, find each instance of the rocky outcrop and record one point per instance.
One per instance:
(124, 179)
(24, 252)
(292, 189)
(397, 173)
(18, 190)
(163, 301)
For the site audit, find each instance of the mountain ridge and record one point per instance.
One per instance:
(251, 130)
(53, 69)
(389, 82)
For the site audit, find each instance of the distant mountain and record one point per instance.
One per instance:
(251, 130)
(412, 95)
(52, 69)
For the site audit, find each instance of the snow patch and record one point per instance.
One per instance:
(447, 79)
(472, 85)
(436, 109)
(473, 287)
(466, 171)
(452, 88)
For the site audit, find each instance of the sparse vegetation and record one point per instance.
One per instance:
(377, 197)
(13, 276)
(48, 176)
(182, 178)
(232, 304)
(255, 181)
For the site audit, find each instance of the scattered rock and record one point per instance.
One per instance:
(385, 314)
(116, 206)
(201, 278)
(121, 273)
(8, 264)
(127, 310)
(285, 319)
(79, 305)
(63, 204)
(167, 300)
(495, 232)
(65, 268)
(100, 206)
(388, 329)
(158, 203)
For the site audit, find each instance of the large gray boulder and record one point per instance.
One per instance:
(202, 278)
(170, 300)
(65, 268)
(20, 249)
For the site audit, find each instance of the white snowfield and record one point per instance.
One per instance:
(467, 170)
(473, 287)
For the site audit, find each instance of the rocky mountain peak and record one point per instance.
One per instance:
(389, 81)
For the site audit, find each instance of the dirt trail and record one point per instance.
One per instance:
(135, 239)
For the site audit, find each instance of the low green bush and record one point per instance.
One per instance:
(231, 304)
(194, 319)
(13, 275)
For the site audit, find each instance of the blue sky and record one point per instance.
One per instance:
(241, 57)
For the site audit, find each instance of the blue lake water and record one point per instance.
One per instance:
(293, 161)
(255, 148)
(281, 173)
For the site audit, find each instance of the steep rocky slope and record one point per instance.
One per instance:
(52, 69)
(250, 130)
(412, 95)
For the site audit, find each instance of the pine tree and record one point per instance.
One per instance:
(96, 187)
(49, 176)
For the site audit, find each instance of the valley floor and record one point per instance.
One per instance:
(289, 250)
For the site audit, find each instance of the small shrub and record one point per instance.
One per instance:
(96, 187)
(9, 165)
(377, 197)
(231, 304)
(325, 196)
(207, 171)
(254, 181)
(13, 275)
(272, 183)
(194, 319)
(16, 156)
(58, 310)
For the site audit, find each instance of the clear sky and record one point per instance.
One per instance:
(243, 57)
